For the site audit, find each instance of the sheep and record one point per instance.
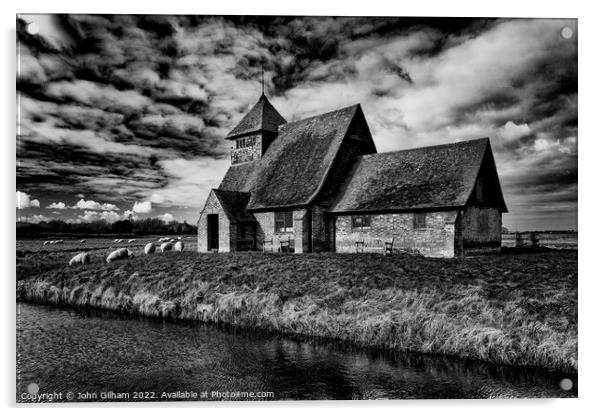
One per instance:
(179, 238)
(149, 248)
(121, 253)
(132, 240)
(59, 242)
(82, 241)
(116, 240)
(166, 247)
(46, 243)
(179, 246)
(81, 258)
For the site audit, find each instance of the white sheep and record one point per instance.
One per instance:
(121, 253)
(59, 242)
(149, 248)
(82, 241)
(179, 238)
(81, 258)
(166, 247)
(46, 243)
(179, 246)
(132, 240)
(116, 240)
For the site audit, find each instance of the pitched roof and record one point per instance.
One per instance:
(263, 116)
(234, 204)
(427, 177)
(295, 166)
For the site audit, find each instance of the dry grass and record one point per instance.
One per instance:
(512, 309)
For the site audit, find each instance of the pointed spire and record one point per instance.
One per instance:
(261, 118)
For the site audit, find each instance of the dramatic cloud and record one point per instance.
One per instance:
(25, 201)
(125, 109)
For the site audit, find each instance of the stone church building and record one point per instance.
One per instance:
(318, 184)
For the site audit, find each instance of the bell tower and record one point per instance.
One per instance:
(253, 134)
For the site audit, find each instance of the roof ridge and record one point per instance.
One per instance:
(319, 115)
(452, 144)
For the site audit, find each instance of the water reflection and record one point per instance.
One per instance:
(65, 350)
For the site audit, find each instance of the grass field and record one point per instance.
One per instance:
(516, 309)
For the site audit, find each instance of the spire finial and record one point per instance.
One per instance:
(262, 82)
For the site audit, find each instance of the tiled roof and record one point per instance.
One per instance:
(234, 204)
(263, 116)
(294, 167)
(422, 178)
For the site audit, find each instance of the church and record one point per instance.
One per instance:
(318, 184)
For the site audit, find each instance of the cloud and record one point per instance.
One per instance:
(57, 205)
(511, 132)
(96, 95)
(143, 207)
(189, 177)
(90, 216)
(37, 218)
(166, 218)
(93, 205)
(127, 214)
(25, 200)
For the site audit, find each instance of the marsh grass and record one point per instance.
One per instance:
(516, 309)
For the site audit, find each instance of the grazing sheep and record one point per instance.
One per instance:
(179, 238)
(82, 241)
(116, 240)
(59, 242)
(46, 243)
(81, 258)
(121, 253)
(132, 240)
(149, 248)
(179, 246)
(166, 247)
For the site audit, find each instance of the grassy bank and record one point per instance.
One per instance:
(512, 309)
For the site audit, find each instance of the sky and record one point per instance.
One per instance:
(125, 116)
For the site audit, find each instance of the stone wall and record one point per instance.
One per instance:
(435, 240)
(320, 225)
(481, 230)
(212, 206)
(246, 154)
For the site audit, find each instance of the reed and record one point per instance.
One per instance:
(518, 310)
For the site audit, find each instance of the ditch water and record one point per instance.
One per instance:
(92, 356)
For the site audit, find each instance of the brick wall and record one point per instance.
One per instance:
(481, 230)
(212, 206)
(266, 231)
(435, 240)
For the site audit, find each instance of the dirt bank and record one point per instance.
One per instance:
(516, 309)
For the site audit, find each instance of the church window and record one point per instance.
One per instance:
(284, 221)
